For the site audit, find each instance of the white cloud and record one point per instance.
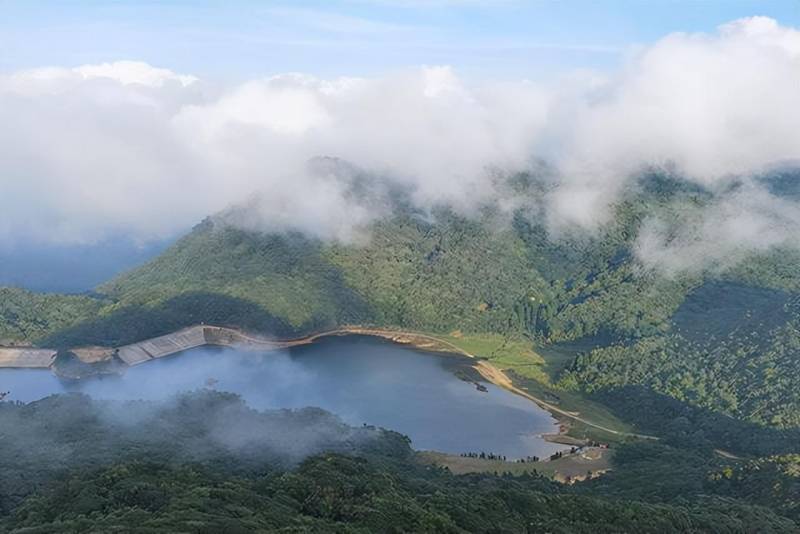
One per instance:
(134, 72)
(710, 105)
(83, 157)
(123, 72)
(126, 147)
(737, 223)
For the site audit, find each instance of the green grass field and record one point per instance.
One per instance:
(572, 466)
(536, 372)
(505, 353)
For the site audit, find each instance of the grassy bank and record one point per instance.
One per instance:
(569, 468)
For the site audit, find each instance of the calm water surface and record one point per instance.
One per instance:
(362, 379)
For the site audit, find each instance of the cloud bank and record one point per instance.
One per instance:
(127, 148)
(746, 220)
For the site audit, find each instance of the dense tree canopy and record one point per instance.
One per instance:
(204, 462)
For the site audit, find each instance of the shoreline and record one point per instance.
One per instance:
(210, 335)
(590, 462)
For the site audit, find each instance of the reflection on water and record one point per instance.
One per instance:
(363, 380)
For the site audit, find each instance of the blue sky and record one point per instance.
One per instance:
(237, 40)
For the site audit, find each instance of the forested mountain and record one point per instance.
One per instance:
(704, 358)
(725, 338)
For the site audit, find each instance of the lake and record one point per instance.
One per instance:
(362, 379)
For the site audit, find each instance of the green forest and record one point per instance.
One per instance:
(115, 476)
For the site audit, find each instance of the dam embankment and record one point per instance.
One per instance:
(26, 357)
(190, 338)
(142, 351)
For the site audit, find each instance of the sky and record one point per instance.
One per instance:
(237, 40)
(135, 121)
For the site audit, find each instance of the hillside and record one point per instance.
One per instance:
(496, 282)
(708, 361)
(205, 462)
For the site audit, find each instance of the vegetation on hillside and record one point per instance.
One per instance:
(498, 283)
(26, 317)
(742, 360)
(204, 462)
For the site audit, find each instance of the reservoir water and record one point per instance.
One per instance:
(363, 380)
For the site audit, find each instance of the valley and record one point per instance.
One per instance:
(96, 360)
(400, 266)
(666, 371)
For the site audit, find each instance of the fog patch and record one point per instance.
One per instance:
(721, 234)
(212, 369)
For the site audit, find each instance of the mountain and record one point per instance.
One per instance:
(706, 359)
(725, 338)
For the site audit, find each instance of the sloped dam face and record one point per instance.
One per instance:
(363, 380)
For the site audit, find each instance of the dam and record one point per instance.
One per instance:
(197, 336)
(26, 357)
(143, 351)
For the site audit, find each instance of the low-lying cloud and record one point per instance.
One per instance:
(721, 234)
(127, 148)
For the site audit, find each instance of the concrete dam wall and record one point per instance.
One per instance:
(159, 347)
(190, 338)
(143, 351)
(26, 357)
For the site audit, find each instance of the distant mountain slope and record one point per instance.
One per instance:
(72, 268)
(452, 274)
(26, 316)
(492, 272)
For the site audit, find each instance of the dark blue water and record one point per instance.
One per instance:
(363, 380)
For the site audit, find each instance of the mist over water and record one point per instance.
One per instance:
(363, 380)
